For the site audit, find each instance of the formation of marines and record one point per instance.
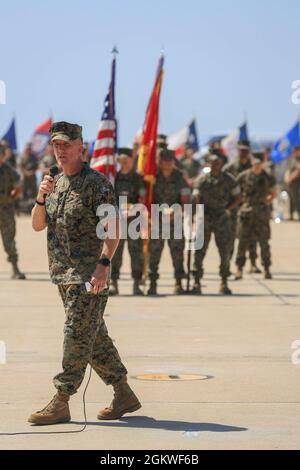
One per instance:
(237, 198)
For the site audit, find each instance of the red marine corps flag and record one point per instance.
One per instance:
(103, 158)
(147, 153)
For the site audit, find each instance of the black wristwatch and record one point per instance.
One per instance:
(104, 261)
(40, 203)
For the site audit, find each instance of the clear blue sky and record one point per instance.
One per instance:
(223, 59)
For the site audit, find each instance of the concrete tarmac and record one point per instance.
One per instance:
(250, 398)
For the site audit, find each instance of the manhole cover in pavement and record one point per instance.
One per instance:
(171, 377)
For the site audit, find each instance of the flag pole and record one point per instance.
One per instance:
(14, 119)
(114, 53)
(147, 153)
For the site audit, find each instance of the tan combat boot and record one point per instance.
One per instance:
(153, 288)
(114, 289)
(196, 290)
(239, 274)
(16, 273)
(224, 289)
(124, 401)
(254, 269)
(136, 288)
(268, 275)
(57, 411)
(178, 289)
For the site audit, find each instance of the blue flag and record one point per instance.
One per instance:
(283, 147)
(91, 148)
(244, 131)
(192, 139)
(10, 135)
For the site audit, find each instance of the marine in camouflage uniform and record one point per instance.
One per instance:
(9, 190)
(170, 188)
(10, 156)
(258, 189)
(48, 160)
(29, 166)
(219, 192)
(215, 147)
(189, 166)
(269, 167)
(292, 179)
(74, 249)
(130, 185)
(235, 168)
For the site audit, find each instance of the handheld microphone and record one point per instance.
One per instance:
(53, 171)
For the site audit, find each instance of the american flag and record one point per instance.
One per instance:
(103, 158)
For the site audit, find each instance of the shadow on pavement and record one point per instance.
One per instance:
(168, 425)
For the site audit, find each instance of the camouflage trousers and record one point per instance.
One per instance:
(234, 228)
(8, 231)
(176, 247)
(221, 228)
(254, 227)
(135, 248)
(86, 340)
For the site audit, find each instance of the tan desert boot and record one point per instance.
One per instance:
(239, 274)
(124, 401)
(224, 289)
(57, 411)
(114, 288)
(16, 273)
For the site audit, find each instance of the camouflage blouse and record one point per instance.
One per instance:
(169, 190)
(255, 189)
(216, 192)
(9, 179)
(73, 244)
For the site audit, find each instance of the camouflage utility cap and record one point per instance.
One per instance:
(65, 131)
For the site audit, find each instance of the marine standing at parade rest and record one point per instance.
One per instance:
(130, 186)
(190, 167)
(10, 189)
(170, 188)
(29, 165)
(220, 193)
(258, 189)
(292, 179)
(236, 167)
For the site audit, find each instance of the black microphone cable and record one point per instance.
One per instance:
(57, 432)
